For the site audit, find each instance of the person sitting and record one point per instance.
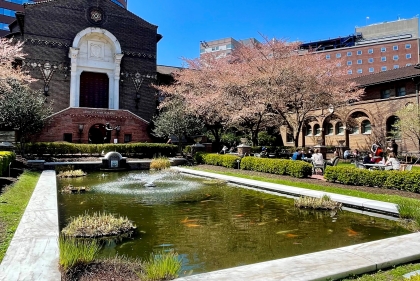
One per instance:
(264, 152)
(392, 163)
(297, 155)
(309, 153)
(368, 159)
(224, 149)
(347, 154)
(356, 153)
(317, 158)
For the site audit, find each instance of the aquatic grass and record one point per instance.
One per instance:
(71, 174)
(162, 266)
(74, 251)
(98, 225)
(74, 189)
(160, 163)
(323, 203)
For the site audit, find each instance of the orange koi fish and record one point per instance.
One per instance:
(351, 232)
(192, 225)
(290, 235)
(186, 220)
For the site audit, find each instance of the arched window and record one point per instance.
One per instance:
(354, 130)
(339, 128)
(317, 130)
(391, 128)
(330, 129)
(366, 127)
(308, 130)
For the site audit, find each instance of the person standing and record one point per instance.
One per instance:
(393, 148)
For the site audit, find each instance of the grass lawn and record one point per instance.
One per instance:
(13, 203)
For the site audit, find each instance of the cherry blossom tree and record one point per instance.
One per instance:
(262, 85)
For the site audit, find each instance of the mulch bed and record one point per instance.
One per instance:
(374, 190)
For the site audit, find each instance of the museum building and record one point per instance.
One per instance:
(96, 61)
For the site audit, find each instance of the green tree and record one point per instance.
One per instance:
(409, 123)
(23, 109)
(174, 120)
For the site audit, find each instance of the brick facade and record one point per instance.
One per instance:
(49, 29)
(374, 109)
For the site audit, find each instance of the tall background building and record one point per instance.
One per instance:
(9, 7)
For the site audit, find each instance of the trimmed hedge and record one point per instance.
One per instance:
(225, 160)
(6, 157)
(402, 180)
(297, 169)
(146, 150)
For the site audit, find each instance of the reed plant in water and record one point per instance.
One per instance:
(160, 163)
(98, 225)
(74, 251)
(71, 174)
(323, 203)
(409, 211)
(162, 266)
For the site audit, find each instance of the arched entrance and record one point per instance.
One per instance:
(100, 133)
(94, 90)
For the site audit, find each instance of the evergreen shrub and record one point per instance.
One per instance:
(145, 150)
(402, 180)
(6, 157)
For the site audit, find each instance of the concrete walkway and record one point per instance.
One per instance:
(323, 265)
(33, 252)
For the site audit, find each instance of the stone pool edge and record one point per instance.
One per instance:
(323, 265)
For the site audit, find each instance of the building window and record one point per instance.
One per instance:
(370, 51)
(408, 56)
(395, 57)
(383, 68)
(317, 130)
(359, 52)
(127, 138)
(408, 64)
(408, 46)
(339, 64)
(383, 49)
(339, 128)
(385, 94)
(330, 129)
(354, 130)
(202, 51)
(327, 57)
(349, 62)
(349, 54)
(359, 70)
(396, 66)
(359, 62)
(366, 127)
(400, 92)
(229, 46)
(395, 48)
(383, 58)
(215, 48)
(68, 137)
(370, 60)
(349, 71)
(371, 69)
(338, 55)
(308, 130)
(289, 137)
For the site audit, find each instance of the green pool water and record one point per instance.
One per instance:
(212, 225)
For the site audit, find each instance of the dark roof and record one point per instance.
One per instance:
(388, 76)
(167, 70)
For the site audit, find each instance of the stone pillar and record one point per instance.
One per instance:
(74, 52)
(244, 150)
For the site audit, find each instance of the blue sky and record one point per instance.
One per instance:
(184, 23)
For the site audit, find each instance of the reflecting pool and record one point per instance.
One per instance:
(210, 224)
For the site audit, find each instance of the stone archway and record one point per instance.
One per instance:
(97, 134)
(95, 50)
